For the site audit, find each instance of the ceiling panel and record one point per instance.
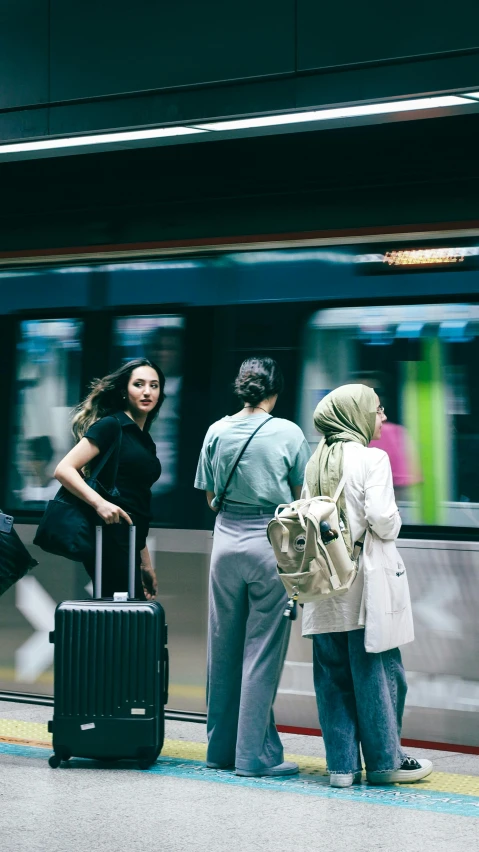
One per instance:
(117, 46)
(23, 52)
(350, 32)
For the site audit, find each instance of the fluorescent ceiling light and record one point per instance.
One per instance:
(336, 113)
(474, 95)
(405, 257)
(98, 139)
(151, 266)
(102, 139)
(289, 255)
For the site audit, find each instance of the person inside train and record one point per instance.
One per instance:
(247, 632)
(360, 695)
(129, 398)
(395, 440)
(40, 485)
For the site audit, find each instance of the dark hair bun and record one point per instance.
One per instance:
(251, 388)
(258, 379)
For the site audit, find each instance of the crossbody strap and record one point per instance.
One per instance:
(238, 458)
(115, 446)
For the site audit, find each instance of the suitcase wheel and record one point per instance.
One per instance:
(148, 759)
(58, 756)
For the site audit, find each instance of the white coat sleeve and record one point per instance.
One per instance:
(380, 508)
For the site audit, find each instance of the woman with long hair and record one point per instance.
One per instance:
(247, 632)
(127, 400)
(360, 695)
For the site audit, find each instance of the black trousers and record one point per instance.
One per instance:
(115, 559)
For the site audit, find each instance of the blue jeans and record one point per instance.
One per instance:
(360, 700)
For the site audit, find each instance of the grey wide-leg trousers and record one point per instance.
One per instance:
(247, 642)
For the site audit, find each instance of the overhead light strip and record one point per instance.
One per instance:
(336, 113)
(99, 139)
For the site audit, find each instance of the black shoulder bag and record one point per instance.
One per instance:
(15, 559)
(68, 525)
(238, 458)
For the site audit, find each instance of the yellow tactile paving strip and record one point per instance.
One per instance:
(25, 733)
(36, 734)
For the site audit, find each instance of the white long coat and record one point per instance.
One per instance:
(370, 505)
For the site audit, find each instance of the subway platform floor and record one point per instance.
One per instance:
(179, 804)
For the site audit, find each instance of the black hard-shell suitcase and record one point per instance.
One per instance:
(110, 675)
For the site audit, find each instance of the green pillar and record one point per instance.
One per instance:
(425, 417)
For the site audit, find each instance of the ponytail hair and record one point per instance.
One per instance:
(107, 396)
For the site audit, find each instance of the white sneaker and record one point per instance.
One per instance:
(344, 779)
(410, 770)
(285, 768)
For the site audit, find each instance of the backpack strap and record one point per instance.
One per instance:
(339, 489)
(358, 546)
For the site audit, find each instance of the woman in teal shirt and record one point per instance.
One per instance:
(247, 633)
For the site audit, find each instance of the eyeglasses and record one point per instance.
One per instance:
(380, 409)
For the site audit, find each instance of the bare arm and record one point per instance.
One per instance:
(148, 576)
(68, 474)
(210, 496)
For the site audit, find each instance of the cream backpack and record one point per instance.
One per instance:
(310, 568)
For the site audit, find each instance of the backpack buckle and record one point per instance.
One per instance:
(291, 608)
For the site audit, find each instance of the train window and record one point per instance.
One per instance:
(48, 375)
(160, 339)
(423, 360)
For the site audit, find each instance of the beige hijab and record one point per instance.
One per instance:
(346, 414)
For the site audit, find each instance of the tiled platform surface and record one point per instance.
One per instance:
(179, 804)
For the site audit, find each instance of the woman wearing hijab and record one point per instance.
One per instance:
(360, 695)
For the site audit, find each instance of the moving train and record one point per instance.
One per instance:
(400, 313)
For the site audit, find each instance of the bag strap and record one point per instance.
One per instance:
(116, 445)
(237, 461)
(339, 489)
(358, 545)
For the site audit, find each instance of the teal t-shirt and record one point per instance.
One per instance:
(271, 465)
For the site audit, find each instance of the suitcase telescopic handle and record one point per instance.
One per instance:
(99, 561)
(166, 677)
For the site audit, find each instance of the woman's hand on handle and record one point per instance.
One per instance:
(148, 576)
(149, 582)
(112, 514)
